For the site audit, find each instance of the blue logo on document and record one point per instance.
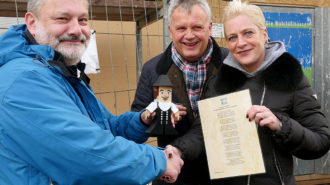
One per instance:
(223, 101)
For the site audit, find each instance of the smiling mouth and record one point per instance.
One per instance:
(244, 51)
(73, 41)
(81, 41)
(165, 98)
(190, 44)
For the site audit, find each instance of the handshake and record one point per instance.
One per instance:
(174, 164)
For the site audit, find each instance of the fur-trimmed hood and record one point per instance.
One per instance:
(283, 74)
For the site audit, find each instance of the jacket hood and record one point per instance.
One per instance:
(273, 51)
(283, 74)
(13, 44)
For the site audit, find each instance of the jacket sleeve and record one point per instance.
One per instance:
(43, 126)
(127, 125)
(144, 93)
(306, 132)
(191, 144)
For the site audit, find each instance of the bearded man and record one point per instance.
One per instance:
(53, 130)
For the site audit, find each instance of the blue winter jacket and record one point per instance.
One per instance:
(47, 134)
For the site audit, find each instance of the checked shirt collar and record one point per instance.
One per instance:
(194, 74)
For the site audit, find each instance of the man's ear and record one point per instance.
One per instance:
(210, 28)
(31, 21)
(169, 30)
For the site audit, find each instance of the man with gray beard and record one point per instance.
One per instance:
(53, 130)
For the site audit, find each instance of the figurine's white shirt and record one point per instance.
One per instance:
(163, 106)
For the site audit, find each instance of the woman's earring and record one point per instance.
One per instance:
(266, 44)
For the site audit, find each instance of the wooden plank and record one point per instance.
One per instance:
(147, 18)
(13, 1)
(314, 179)
(9, 9)
(325, 3)
(152, 141)
(125, 10)
(128, 3)
(113, 3)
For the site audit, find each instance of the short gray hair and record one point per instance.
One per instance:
(34, 6)
(187, 5)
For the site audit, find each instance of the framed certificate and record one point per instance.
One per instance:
(231, 140)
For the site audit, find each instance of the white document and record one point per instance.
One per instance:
(231, 141)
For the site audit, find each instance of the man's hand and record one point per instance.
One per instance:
(173, 149)
(147, 117)
(175, 118)
(174, 164)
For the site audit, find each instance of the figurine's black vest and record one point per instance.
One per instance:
(162, 125)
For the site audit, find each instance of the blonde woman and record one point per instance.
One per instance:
(285, 108)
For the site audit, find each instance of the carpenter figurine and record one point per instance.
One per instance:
(163, 107)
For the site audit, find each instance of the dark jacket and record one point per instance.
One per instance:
(195, 167)
(305, 132)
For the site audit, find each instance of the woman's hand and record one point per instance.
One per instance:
(264, 117)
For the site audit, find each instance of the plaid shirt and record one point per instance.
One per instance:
(194, 74)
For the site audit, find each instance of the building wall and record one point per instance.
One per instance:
(116, 83)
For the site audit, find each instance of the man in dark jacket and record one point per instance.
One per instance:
(53, 129)
(189, 62)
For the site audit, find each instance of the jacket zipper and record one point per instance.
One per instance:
(277, 165)
(278, 168)
(261, 103)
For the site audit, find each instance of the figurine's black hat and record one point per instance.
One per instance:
(163, 80)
